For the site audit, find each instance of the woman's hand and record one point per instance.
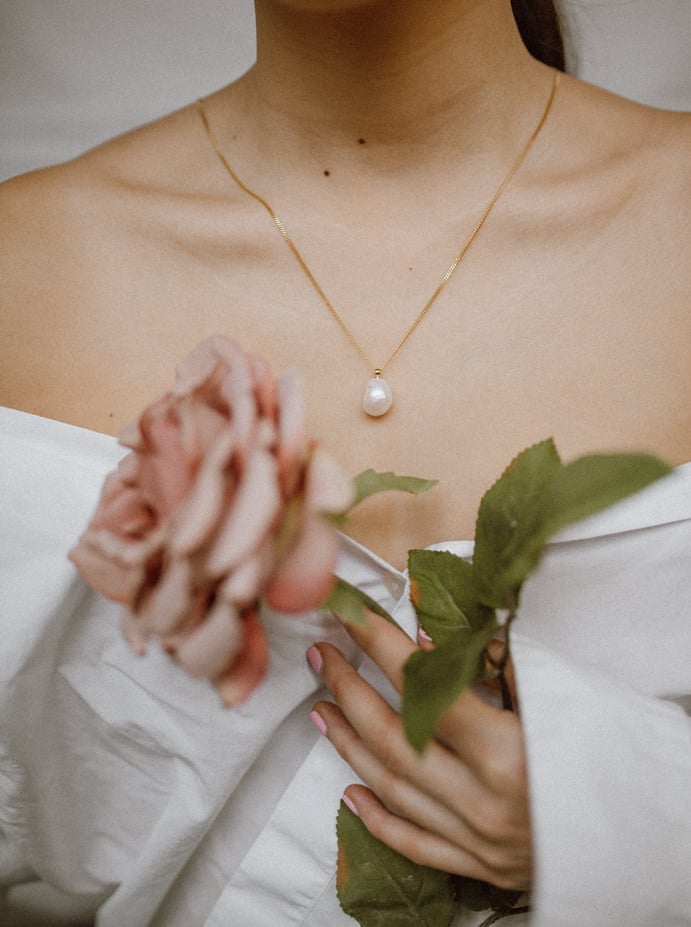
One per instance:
(462, 805)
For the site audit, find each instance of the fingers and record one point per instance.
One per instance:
(412, 841)
(469, 726)
(424, 641)
(424, 794)
(460, 806)
(428, 849)
(479, 732)
(369, 716)
(484, 782)
(400, 794)
(384, 643)
(423, 789)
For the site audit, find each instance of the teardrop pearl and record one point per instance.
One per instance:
(378, 397)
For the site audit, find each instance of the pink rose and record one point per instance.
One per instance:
(218, 505)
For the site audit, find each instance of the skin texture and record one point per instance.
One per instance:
(461, 806)
(568, 317)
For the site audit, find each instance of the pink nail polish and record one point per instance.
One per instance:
(424, 636)
(314, 659)
(318, 722)
(349, 803)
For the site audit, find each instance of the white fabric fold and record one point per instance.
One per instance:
(612, 826)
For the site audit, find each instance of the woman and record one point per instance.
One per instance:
(380, 134)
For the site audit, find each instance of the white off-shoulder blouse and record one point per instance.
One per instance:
(124, 782)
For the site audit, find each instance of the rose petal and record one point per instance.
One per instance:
(199, 515)
(197, 367)
(264, 387)
(328, 488)
(165, 470)
(229, 352)
(254, 508)
(291, 429)
(131, 436)
(195, 614)
(246, 582)
(166, 606)
(127, 552)
(113, 568)
(132, 631)
(200, 425)
(117, 481)
(208, 650)
(305, 576)
(235, 385)
(242, 678)
(238, 393)
(265, 434)
(122, 511)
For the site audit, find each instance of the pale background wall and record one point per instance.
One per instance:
(75, 72)
(638, 48)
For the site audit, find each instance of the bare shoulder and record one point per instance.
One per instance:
(621, 174)
(618, 221)
(44, 226)
(665, 151)
(55, 212)
(649, 147)
(75, 240)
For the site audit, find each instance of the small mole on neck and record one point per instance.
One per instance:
(361, 141)
(327, 173)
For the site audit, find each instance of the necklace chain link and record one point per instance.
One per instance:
(447, 276)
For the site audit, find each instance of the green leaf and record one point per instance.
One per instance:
(592, 483)
(443, 594)
(350, 602)
(380, 888)
(370, 482)
(579, 489)
(507, 508)
(435, 605)
(437, 583)
(434, 679)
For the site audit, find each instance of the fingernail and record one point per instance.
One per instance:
(314, 658)
(318, 722)
(424, 636)
(350, 804)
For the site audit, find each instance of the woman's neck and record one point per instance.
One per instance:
(380, 85)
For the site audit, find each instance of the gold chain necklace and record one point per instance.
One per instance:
(378, 396)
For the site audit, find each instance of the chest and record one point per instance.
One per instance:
(528, 339)
(528, 331)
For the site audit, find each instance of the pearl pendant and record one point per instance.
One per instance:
(378, 397)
